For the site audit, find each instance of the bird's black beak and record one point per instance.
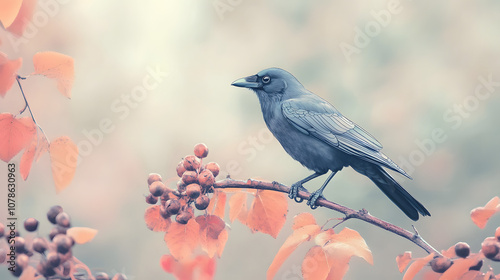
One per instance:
(248, 82)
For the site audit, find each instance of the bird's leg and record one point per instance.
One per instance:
(319, 193)
(294, 190)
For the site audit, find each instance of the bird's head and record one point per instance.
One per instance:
(273, 81)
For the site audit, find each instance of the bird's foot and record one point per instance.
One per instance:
(294, 192)
(313, 199)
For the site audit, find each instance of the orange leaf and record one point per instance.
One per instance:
(416, 266)
(315, 264)
(237, 204)
(460, 267)
(9, 10)
(268, 212)
(213, 236)
(303, 219)
(481, 215)
(8, 72)
(403, 260)
(154, 221)
(42, 147)
(56, 66)
(23, 17)
(450, 253)
(29, 273)
(81, 235)
(297, 237)
(63, 157)
(16, 135)
(217, 204)
(338, 267)
(348, 243)
(182, 240)
(202, 267)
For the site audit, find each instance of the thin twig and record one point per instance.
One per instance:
(348, 212)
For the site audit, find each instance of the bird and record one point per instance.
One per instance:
(313, 132)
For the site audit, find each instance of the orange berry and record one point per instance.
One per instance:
(201, 150)
(441, 264)
(180, 168)
(191, 163)
(213, 167)
(206, 179)
(157, 188)
(189, 177)
(153, 177)
(173, 206)
(193, 190)
(462, 249)
(202, 202)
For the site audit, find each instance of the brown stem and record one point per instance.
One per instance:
(348, 212)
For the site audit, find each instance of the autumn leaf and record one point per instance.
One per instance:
(63, 157)
(303, 219)
(217, 204)
(460, 267)
(213, 236)
(450, 253)
(182, 240)
(56, 66)
(268, 212)
(202, 267)
(315, 264)
(9, 11)
(42, 147)
(348, 243)
(23, 17)
(237, 205)
(299, 235)
(154, 221)
(8, 72)
(81, 235)
(416, 266)
(481, 215)
(27, 160)
(403, 260)
(16, 135)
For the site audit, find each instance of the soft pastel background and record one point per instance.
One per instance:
(426, 60)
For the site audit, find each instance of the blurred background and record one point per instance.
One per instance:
(405, 71)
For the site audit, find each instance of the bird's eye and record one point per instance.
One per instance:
(266, 79)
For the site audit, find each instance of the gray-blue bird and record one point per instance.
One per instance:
(318, 136)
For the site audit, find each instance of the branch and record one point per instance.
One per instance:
(348, 212)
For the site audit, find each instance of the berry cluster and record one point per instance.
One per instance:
(196, 181)
(52, 256)
(490, 249)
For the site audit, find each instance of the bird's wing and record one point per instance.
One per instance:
(322, 121)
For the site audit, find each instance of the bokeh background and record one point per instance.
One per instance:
(415, 73)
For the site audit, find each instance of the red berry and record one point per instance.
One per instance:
(213, 167)
(184, 217)
(101, 276)
(490, 247)
(153, 177)
(202, 202)
(206, 179)
(157, 188)
(173, 206)
(191, 163)
(180, 168)
(441, 264)
(30, 224)
(189, 177)
(201, 150)
(497, 233)
(462, 249)
(163, 212)
(53, 259)
(63, 243)
(53, 212)
(39, 244)
(193, 190)
(63, 220)
(150, 199)
(22, 260)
